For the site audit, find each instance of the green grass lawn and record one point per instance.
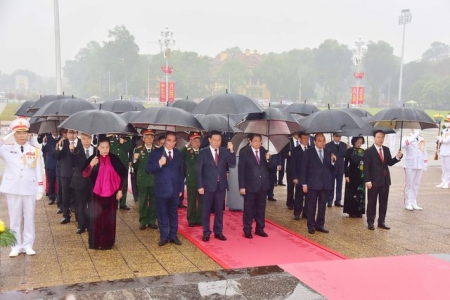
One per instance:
(8, 113)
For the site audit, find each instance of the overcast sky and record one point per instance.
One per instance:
(209, 26)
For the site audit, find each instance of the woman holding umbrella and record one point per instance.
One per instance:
(108, 176)
(355, 190)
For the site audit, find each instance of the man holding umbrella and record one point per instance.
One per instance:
(376, 160)
(339, 149)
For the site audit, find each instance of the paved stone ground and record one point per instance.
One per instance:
(63, 260)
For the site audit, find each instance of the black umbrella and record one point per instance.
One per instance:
(303, 109)
(63, 108)
(278, 105)
(46, 99)
(272, 122)
(357, 111)
(367, 130)
(121, 106)
(331, 120)
(402, 117)
(217, 122)
(231, 104)
(167, 118)
(97, 122)
(184, 104)
(43, 125)
(129, 115)
(23, 109)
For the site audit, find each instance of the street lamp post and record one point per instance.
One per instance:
(166, 40)
(359, 50)
(403, 19)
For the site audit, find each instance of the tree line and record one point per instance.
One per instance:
(323, 74)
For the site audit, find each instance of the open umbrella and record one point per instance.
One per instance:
(97, 122)
(273, 121)
(43, 125)
(231, 104)
(304, 109)
(129, 115)
(402, 117)
(357, 111)
(46, 99)
(23, 110)
(217, 122)
(331, 120)
(278, 105)
(167, 118)
(63, 108)
(184, 104)
(121, 106)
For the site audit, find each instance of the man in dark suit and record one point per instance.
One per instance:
(63, 153)
(376, 160)
(80, 185)
(253, 176)
(212, 182)
(166, 164)
(300, 203)
(315, 177)
(48, 148)
(339, 149)
(286, 153)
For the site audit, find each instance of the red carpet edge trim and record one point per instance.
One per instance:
(306, 239)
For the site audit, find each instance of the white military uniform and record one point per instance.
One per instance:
(444, 154)
(22, 184)
(414, 162)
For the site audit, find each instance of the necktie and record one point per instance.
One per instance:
(170, 155)
(304, 148)
(87, 153)
(216, 157)
(196, 151)
(321, 155)
(257, 157)
(148, 150)
(380, 151)
(296, 143)
(21, 149)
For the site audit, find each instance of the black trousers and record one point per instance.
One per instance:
(209, 200)
(51, 183)
(254, 208)
(82, 200)
(290, 191)
(300, 203)
(381, 193)
(67, 196)
(317, 200)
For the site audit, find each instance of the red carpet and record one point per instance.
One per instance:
(281, 247)
(400, 277)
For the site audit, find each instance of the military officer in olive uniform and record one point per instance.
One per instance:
(22, 185)
(145, 181)
(122, 147)
(190, 154)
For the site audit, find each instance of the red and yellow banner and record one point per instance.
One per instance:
(162, 91)
(357, 95)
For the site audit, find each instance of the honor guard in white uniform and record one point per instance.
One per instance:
(414, 162)
(22, 185)
(444, 154)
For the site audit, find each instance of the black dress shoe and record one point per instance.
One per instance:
(290, 207)
(59, 211)
(271, 199)
(125, 207)
(162, 242)
(296, 218)
(80, 231)
(153, 226)
(182, 206)
(142, 227)
(384, 226)
(248, 235)
(282, 184)
(371, 227)
(304, 216)
(220, 237)
(51, 202)
(338, 204)
(311, 231)
(176, 241)
(205, 237)
(329, 205)
(65, 221)
(261, 233)
(322, 230)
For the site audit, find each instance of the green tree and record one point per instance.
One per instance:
(436, 52)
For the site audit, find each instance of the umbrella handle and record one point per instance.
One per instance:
(401, 136)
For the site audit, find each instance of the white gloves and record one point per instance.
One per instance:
(39, 196)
